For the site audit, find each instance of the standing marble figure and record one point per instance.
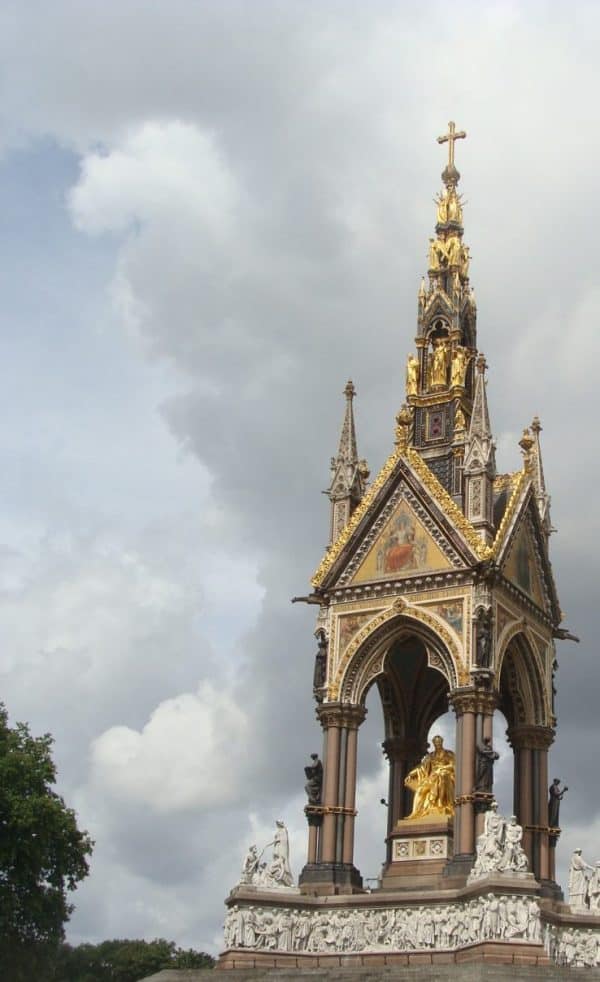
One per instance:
(578, 880)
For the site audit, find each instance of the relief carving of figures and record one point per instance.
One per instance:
(432, 782)
(412, 376)
(444, 927)
(460, 360)
(484, 766)
(314, 783)
(439, 364)
(556, 794)
(578, 880)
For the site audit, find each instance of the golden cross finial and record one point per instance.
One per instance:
(449, 138)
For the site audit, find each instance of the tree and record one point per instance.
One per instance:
(42, 853)
(124, 960)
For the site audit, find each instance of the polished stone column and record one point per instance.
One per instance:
(331, 848)
(330, 792)
(530, 744)
(350, 792)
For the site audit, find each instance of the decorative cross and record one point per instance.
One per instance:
(449, 138)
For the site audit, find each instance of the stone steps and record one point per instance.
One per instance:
(469, 972)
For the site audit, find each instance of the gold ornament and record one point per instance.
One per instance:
(432, 782)
(439, 364)
(412, 375)
(460, 360)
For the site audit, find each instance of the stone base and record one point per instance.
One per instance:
(500, 920)
(326, 879)
(496, 953)
(420, 850)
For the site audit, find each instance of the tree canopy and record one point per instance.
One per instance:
(124, 960)
(43, 854)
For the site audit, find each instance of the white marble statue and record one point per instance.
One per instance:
(578, 880)
(277, 872)
(499, 847)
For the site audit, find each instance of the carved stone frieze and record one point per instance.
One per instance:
(442, 927)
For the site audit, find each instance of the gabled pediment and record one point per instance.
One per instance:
(406, 525)
(404, 544)
(523, 558)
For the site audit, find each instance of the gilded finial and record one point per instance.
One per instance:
(450, 175)
(403, 422)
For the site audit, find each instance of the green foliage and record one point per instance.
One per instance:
(42, 853)
(124, 960)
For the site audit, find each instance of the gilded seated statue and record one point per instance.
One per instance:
(432, 782)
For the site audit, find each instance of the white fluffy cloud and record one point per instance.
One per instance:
(190, 754)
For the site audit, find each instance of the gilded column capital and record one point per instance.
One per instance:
(473, 700)
(526, 736)
(345, 714)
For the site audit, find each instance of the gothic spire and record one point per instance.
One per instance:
(480, 460)
(537, 475)
(348, 474)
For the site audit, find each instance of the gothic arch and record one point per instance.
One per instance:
(522, 680)
(364, 658)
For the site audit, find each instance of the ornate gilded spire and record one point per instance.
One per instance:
(348, 474)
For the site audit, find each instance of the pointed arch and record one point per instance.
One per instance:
(522, 685)
(364, 658)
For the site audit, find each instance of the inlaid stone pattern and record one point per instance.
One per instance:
(426, 847)
(443, 927)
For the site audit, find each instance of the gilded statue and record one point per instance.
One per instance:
(412, 375)
(460, 360)
(442, 209)
(432, 782)
(453, 251)
(434, 259)
(465, 260)
(454, 209)
(439, 363)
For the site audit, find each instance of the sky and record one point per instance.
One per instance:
(212, 215)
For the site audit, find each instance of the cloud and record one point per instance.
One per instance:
(189, 755)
